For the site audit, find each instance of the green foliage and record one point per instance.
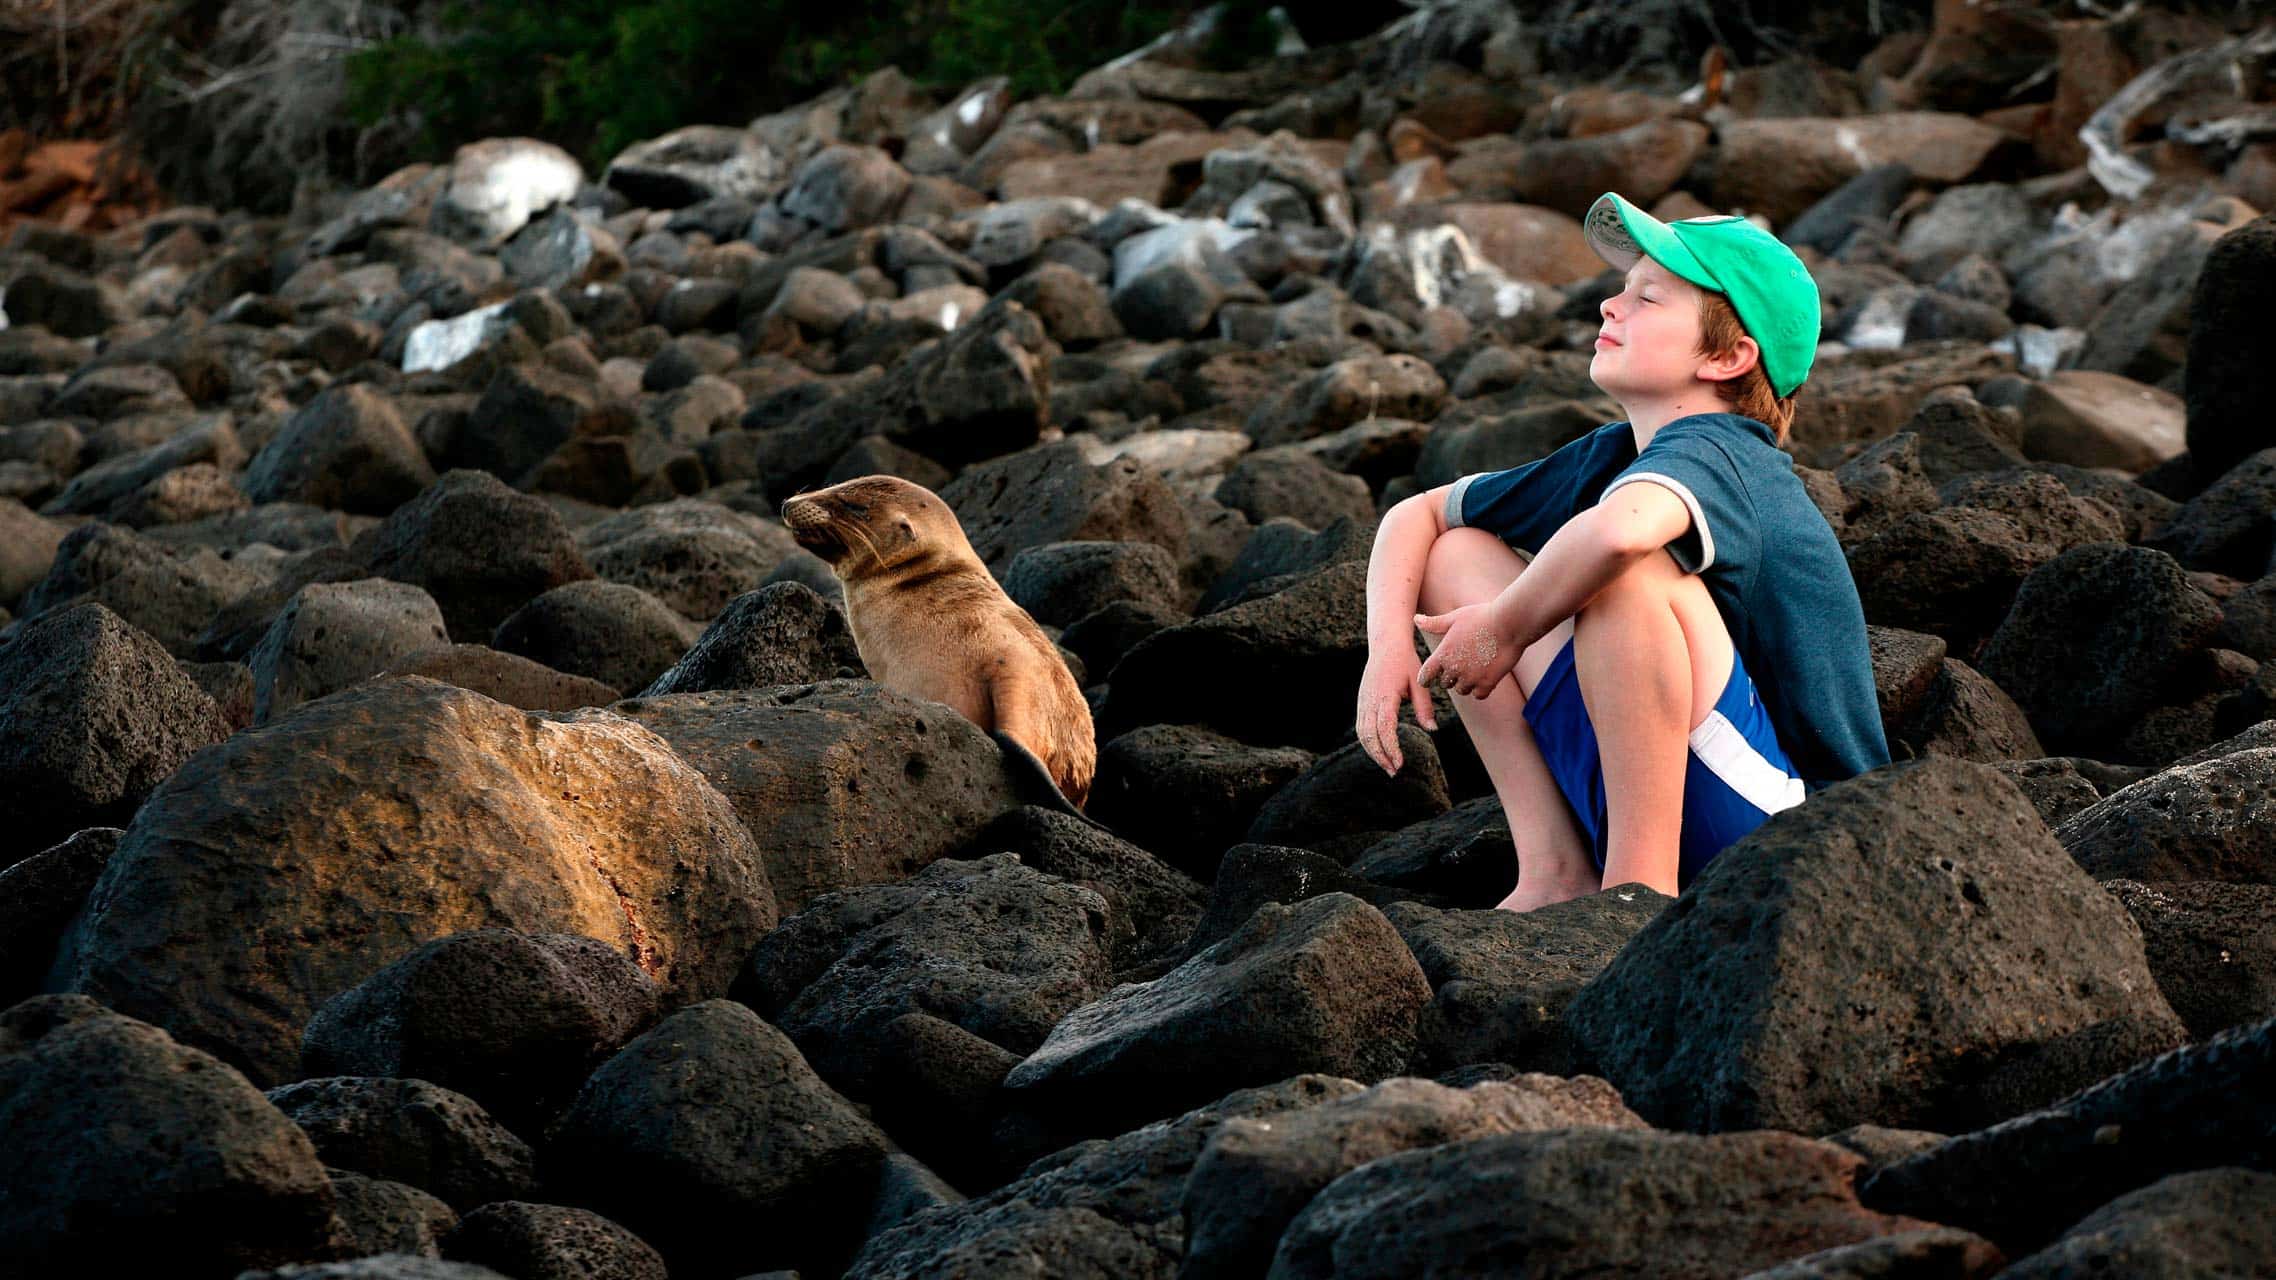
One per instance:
(596, 76)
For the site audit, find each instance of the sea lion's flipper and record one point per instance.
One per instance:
(1031, 781)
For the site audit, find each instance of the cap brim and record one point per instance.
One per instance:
(1621, 233)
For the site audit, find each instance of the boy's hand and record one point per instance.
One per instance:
(1391, 678)
(1472, 655)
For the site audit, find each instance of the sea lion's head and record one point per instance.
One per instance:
(872, 524)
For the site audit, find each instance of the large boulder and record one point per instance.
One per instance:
(1255, 1175)
(840, 783)
(1502, 980)
(169, 595)
(1325, 985)
(2092, 638)
(1099, 1211)
(38, 897)
(2226, 377)
(782, 633)
(413, 1132)
(391, 814)
(1151, 905)
(2207, 1222)
(551, 1242)
(348, 449)
(605, 631)
(514, 1021)
(2230, 528)
(98, 715)
(479, 548)
(993, 948)
(332, 634)
(1586, 1201)
(1054, 494)
(2212, 948)
(694, 555)
(2213, 820)
(506, 677)
(1186, 792)
(1226, 670)
(2022, 1182)
(131, 1154)
(712, 1138)
(1980, 935)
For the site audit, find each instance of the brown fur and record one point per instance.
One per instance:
(930, 620)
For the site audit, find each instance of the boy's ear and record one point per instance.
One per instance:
(1731, 364)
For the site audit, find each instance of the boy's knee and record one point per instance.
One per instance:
(1465, 563)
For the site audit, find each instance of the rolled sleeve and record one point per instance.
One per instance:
(1454, 495)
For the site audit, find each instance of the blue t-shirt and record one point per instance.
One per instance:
(1764, 550)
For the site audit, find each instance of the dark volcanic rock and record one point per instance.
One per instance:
(2228, 344)
(1053, 494)
(1151, 905)
(348, 450)
(385, 1266)
(131, 1154)
(1257, 875)
(994, 946)
(693, 555)
(2205, 1223)
(712, 1138)
(332, 634)
(2230, 528)
(413, 1132)
(2022, 1182)
(1938, 878)
(840, 783)
(1967, 717)
(605, 631)
(169, 595)
(1062, 582)
(1343, 803)
(2092, 638)
(97, 715)
(1941, 1253)
(1187, 792)
(1255, 670)
(1501, 980)
(379, 1216)
(513, 1021)
(2215, 820)
(1325, 985)
(1256, 1175)
(505, 677)
(1101, 1210)
(391, 814)
(2211, 946)
(782, 633)
(479, 548)
(551, 1242)
(1686, 1206)
(38, 897)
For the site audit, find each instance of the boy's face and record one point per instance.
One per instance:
(1647, 347)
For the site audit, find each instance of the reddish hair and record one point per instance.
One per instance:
(1748, 394)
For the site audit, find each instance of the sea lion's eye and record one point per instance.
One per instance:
(858, 510)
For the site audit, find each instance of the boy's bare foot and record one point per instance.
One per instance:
(1530, 894)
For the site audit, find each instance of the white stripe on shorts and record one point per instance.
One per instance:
(1729, 756)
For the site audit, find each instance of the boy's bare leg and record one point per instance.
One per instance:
(1469, 566)
(1652, 656)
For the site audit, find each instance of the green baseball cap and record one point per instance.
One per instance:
(1768, 286)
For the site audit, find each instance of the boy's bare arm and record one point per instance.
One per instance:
(1583, 558)
(1481, 643)
(1394, 582)
(1395, 567)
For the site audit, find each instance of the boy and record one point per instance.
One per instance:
(1654, 628)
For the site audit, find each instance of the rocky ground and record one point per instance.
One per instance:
(444, 813)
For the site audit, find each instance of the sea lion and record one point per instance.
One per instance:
(931, 622)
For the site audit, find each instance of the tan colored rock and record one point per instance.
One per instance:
(1111, 172)
(1780, 167)
(1525, 241)
(291, 862)
(2093, 419)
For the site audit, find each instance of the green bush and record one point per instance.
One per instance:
(597, 76)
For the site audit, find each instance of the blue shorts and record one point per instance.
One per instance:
(1736, 777)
